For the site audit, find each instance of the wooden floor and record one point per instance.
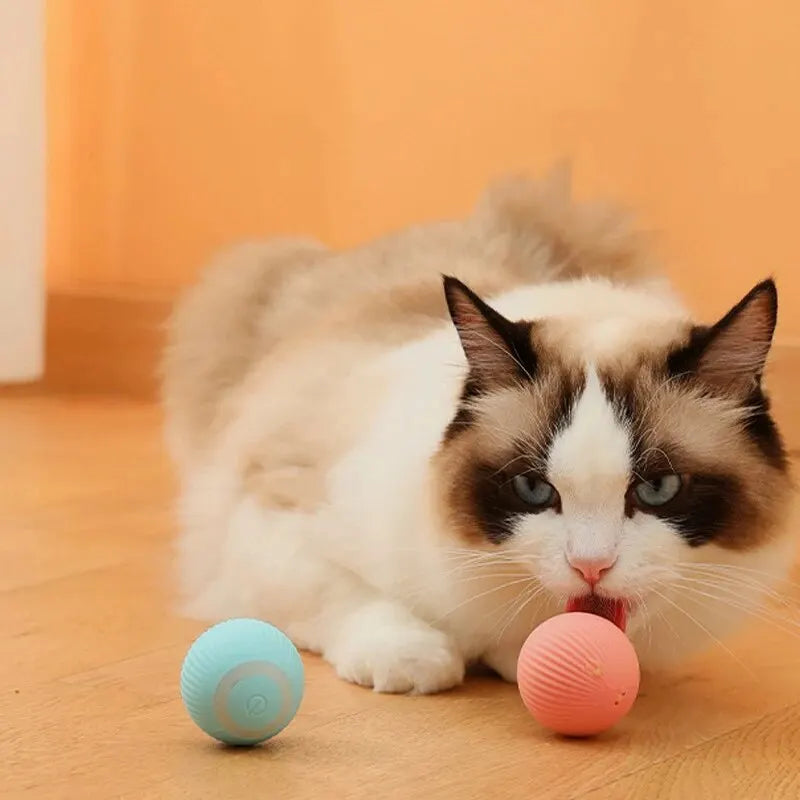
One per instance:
(89, 706)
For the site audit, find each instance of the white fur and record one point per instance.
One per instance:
(368, 578)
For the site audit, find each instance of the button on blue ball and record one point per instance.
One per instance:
(242, 681)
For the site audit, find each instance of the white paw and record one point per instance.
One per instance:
(412, 657)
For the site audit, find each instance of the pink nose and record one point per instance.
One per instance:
(592, 568)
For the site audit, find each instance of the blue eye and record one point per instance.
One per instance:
(534, 491)
(658, 491)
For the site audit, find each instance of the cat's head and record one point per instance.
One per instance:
(619, 471)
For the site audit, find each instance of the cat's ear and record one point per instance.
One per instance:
(498, 351)
(730, 357)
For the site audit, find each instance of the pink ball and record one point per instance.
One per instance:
(578, 674)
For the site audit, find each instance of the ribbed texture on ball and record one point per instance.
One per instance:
(578, 674)
(242, 681)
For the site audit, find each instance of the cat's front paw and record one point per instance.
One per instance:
(399, 659)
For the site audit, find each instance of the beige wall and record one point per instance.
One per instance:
(176, 126)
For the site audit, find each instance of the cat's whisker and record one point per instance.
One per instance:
(741, 582)
(508, 463)
(642, 602)
(514, 559)
(703, 628)
(506, 609)
(468, 554)
(738, 568)
(527, 597)
(478, 596)
(788, 626)
(668, 623)
(649, 450)
(461, 581)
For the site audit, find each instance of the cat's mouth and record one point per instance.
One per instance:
(613, 609)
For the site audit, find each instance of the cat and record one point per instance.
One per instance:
(408, 472)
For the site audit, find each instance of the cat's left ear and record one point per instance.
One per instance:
(730, 356)
(498, 351)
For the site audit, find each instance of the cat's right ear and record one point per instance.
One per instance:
(498, 351)
(729, 357)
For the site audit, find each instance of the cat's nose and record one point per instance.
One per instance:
(592, 568)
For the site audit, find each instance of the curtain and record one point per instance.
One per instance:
(21, 190)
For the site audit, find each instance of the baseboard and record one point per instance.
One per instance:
(111, 345)
(108, 345)
(783, 384)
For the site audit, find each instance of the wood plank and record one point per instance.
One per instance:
(749, 763)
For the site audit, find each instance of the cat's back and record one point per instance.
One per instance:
(262, 306)
(289, 308)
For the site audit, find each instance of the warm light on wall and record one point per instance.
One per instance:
(172, 132)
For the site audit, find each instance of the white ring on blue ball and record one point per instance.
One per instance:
(248, 670)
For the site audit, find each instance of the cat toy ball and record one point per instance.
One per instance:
(242, 681)
(578, 674)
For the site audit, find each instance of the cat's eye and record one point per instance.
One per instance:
(657, 491)
(534, 491)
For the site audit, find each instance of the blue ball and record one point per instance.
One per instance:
(242, 681)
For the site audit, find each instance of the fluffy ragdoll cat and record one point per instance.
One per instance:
(407, 473)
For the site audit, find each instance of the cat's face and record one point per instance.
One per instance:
(620, 477)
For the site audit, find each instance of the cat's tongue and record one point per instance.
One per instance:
(613, 610)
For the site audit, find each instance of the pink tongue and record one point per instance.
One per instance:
(613, 610)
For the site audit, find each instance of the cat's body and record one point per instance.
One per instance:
(340, 477)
